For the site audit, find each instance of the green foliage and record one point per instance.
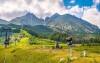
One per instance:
(58, 36)
(24, 33)
(95, 40)
(32, 32)
(44, 32)
(32, 40)
(93, 44)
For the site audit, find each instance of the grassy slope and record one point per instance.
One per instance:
(39, 54)
(25, 53)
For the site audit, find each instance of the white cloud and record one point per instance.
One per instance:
(40, 8)
(12, 8)
(47, 8)
(72, 1)
(96, 1)
(92, 15)
(78, 12)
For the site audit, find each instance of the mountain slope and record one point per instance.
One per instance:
(39, 28)
(49, 19)
(3, 21)
(72, 24)
(28, 19)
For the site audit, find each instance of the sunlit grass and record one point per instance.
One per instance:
(41, 51)
(38, 54)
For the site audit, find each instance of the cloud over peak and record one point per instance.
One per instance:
(85, 9)
(40, 8)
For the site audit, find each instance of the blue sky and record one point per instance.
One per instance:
(81, 3)
(98, 7)
(88, 10)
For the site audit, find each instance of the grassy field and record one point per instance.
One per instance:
(45, 54)
(41, 51)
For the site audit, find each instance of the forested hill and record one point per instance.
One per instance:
(41, 31)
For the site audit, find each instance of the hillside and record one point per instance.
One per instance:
(3, 22)
(28, 19)
(72, 24)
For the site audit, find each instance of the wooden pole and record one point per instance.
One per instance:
(15, 43)
(70, 51)
(5, 45)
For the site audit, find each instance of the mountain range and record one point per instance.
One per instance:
(57, 22)
(28, 19)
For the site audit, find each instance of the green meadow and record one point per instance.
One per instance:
(24, 53)
(29, 49)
